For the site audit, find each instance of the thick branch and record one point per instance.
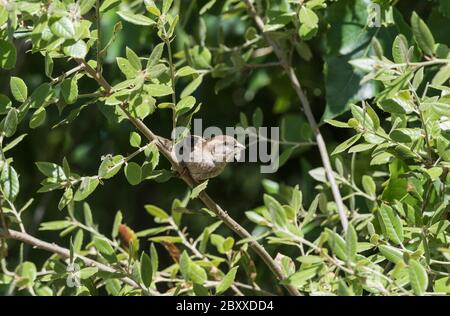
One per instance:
(307, 109)
(186, 177)
(64, 253)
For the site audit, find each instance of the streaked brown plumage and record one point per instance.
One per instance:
(206, 158)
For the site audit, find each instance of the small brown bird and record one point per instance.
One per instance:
(206, 158)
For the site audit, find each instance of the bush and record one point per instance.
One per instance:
(86, 80)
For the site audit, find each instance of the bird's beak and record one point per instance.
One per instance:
(239, 145)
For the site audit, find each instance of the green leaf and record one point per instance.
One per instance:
(63, 28)
(165, 239)
(442, 76)
(103, 246)
(199, 188)
(11, 121)
(51, 170)
(299, 279)
(186, 71)
(152, 231)
(392, 254)
(361, 148)
(86, 6)
(434, 173)
(337, 123)
(173, 23)
(5, 104)
(184, 264)
(227, 281)
(185, 104)
(156, 212)
(126, 68)
(369, 185)
(14, 142)
(38, 118)
(362, 116)
(258, 118)
(392, 224)
(405, 135)
(155, 71)
(41, 96)
(196, 273)
(18, 89)
(27, 270)
(76, 50)
(418, 277)
(137, 19)
(9, 181)
(65, 199)
(154, 258)
(276, 211)
(306, 32)
(135, 139)
(117, 221)
(87, 213)
(69, 90)
(55, 225)
(166, 6)
(155, 56)
(152, 8)
(397, 105)
(400, 49)
(159, 90)
(422, 34)
(256, 218)
(87, 186)
(308, 17)
(146, 270)
(375, 120)
(133, 173)
(228, 244)
(88, 272)
(8, 55)
(442, 285)
(345, 145)
(78, 241)
(337, 244)
(110, 166)
(208, 5)
(351, 241)
(191, 87)
(134, 60)
(108, 5)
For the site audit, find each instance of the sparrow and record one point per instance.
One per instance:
(206, 158)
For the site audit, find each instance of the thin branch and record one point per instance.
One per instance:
(99, 35)
(65, 253)
(172, 75)
(307, 109)
(160, 142)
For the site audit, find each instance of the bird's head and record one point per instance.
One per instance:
(225, 148)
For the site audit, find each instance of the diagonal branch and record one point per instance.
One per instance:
(65, 253)
(306, 108)
(186, 177)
